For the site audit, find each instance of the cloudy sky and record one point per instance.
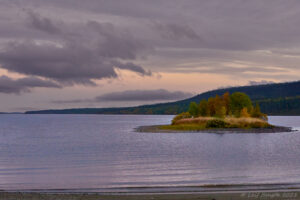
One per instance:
(100, 53)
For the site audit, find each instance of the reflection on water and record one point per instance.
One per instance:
(103, 151)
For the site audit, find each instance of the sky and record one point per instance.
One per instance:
(100, 53)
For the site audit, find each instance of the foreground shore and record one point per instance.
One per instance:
(159, 129)
(249, 195)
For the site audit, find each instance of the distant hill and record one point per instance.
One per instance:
(274, 99)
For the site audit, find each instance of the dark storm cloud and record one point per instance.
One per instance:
(84, 42)
(8, 85)
(131, 95)
(231, 25)
(69, 64)
(236, 24)
(79, 53)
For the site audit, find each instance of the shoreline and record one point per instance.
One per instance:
(157, 129)
(279, 194)
(206, 188)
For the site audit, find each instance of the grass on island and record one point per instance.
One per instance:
(227, 111)
(202, 123)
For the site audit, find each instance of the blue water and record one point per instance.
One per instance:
(104, 151)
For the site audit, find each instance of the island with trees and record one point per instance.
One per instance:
(226, 113)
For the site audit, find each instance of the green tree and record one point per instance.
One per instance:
(193, 109)
(238, 101)
(257, 113)
(203, 108)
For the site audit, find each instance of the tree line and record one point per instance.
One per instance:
(237, 104)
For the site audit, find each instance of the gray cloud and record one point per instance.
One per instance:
(84, 42)
(143, 95)
(234, 25)
(42, 23)
(262, 82)
(75, 42)
(9, 85)
(78, 54)
(237, 70)
(73, 101)
(131, 95)
(176, 31)
(133, 67)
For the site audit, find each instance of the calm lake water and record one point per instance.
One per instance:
(103, 151)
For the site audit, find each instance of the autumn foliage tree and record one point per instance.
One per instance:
(244, 112)
(211, 107)
(237, 104)
(226, 100)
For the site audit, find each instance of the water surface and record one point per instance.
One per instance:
(103, 151)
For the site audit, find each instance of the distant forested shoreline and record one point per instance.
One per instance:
(274, 99)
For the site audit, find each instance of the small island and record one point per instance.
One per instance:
(229, 113)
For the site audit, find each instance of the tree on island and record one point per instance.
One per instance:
(193, 109)
(226, 99)
(256, 113)
(203, 108)
(229, 111)
(239, 101)
(237, 105)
